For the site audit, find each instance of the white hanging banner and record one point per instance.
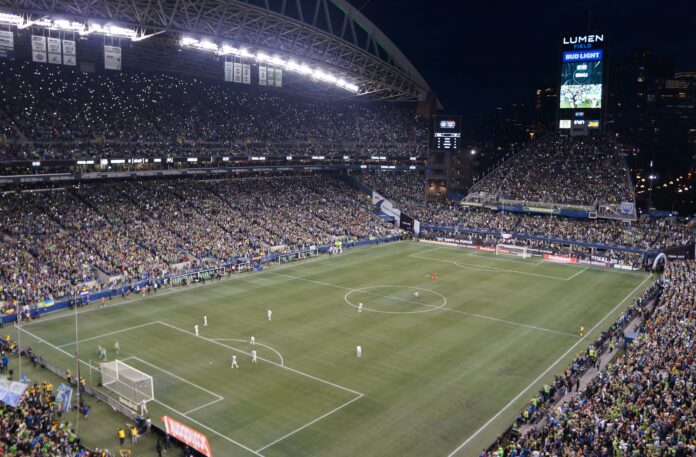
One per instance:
(246, 73)
(54, 51)
(6, 43)
(279, 77)
(238, 72)
(112, 57)
(228, 72)
(271, 76)
(38, 49)
(262, 75)
(69, 53)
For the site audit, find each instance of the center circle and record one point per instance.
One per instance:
(418, 296)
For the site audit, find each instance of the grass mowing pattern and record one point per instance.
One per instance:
(454, 364)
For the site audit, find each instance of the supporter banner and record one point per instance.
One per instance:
(237, 69)
(386, 207)
(246, 73)
(686, 252)
(278, 77)
(46, 303)
(69, 53)
(38, 49)
(560, 258)
(6, 44)
(112, 57)
(628, 208)
(11, 392)
(262, 75)
(55, 51)
(188, 436)
(63, 396)
(270, 74)
(229, 71)
(406, 222)
(416, 226)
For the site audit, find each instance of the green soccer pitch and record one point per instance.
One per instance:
(442, 372)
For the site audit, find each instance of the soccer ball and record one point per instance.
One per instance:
(415, 294)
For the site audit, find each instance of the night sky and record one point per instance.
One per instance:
(484, 54)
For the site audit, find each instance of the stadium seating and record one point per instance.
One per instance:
(59, 243)
(561, 170)
(154, 114)
(643, 404)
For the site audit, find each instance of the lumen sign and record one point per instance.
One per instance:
(587, 39)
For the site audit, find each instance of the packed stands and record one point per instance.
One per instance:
(140, 114)
(404, 189)
(561, 170)
(643, 404)
(62, 242)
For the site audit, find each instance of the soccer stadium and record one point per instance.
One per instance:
(251, 228)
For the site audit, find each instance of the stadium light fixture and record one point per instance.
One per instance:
(11, 19)
(282, 62)
(473, 152)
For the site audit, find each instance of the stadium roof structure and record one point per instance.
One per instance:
(330, 34)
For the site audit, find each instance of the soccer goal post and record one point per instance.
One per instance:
(132, 386)
(511, 249)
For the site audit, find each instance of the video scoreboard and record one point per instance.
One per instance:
(447, 133)
(582, 91)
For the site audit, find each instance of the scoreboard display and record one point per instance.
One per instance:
(447, 133)
(582, 86)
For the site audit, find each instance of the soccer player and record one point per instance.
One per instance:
(358, 351)
(253, 356)
(416, 294)
(143, 407)
(360, 307)
(195, 329)
(234, 362)
(205, 320)
(252, 340)
(434, 276)
(582, 330)
(269, 313)
(117, 348)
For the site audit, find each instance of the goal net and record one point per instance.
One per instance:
(511, 249)
(131, 385)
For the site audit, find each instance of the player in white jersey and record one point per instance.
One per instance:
(416, 294)
(252, 340)
(253, 356)
(358, 351)
(195, 329)
(360, 306)
(269, 313)
(234, 362)
(205, 320)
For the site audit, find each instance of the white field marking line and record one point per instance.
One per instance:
(155, 400)
(235, 277)
(200, 424)
(107, 334)
(538, 378)
(219, 397)
(487, 268)
(581, 271)
(480, 316)
(308, 424)
(539, 262)
(364, 290)
(302, 373)
(280, 356)
(202, 406)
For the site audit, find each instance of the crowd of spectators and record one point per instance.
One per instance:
(643, 404)
(407, 190)
(562, 170)
(153, 114)
(61, 242)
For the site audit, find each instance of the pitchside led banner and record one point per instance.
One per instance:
(582, 94)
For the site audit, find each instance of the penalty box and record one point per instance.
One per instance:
(258, 404)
